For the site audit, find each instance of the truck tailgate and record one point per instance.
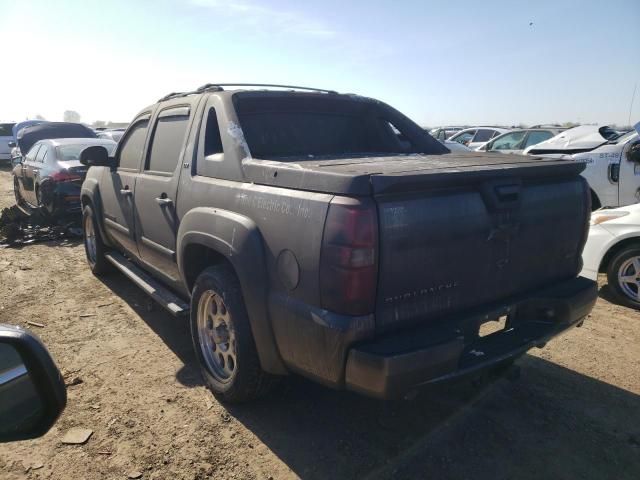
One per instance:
(452, 242)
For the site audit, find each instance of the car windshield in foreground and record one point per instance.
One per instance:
(72, 152)
(295, 127)
(6, 129)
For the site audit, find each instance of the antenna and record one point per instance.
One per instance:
(633, 97)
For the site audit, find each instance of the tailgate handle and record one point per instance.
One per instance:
(502, 194)
(507, 193)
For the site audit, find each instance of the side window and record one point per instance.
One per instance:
(212, 140)
(536, 137)
(168, 139)
(31, 156)
(465, 137)
(483, 135)
(42, 153)
(509, 141)
(133, 144)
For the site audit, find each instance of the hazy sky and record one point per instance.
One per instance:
(439, 62)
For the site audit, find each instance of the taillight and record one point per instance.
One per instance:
(348, 263)
(65, 176)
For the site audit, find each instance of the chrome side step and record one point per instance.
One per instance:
(149, 285)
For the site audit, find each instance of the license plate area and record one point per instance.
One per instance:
(493, 326)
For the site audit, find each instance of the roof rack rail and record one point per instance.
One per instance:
(270, 85)
(218, 87)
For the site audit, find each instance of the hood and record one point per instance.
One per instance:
(27, 123)
(575, 140)
(30, 135)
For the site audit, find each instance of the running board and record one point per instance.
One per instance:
(149, 285)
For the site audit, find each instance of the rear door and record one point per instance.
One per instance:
(117, 187)
(29, 169)
(155, 197)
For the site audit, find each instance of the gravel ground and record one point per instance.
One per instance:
(574, 413)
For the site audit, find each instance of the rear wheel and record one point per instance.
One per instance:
(223, 340)
(623, 274)
(94, 247)
(16, 191)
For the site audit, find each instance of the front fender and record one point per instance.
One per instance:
(238, 239)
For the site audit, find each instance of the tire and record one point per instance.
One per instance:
(16, 191)
(222, 338)
(94, 247)
(623, 275)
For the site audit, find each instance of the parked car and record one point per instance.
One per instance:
(613, 247)
(114, 134)
(32, 391)
(443, 133)
(477, 136)
(302, 234)
(50, 175)
(516, 141)
(6, 137)
(613, 163)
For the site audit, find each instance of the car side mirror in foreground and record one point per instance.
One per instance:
(32, 391)
(96, 156)
(11, 144)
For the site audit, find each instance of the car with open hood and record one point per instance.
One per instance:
(50, 175)
(613, 163)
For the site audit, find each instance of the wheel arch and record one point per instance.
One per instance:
(209, 236)
(615, 249)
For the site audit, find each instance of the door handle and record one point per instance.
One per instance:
(126, 191)
(162, 201)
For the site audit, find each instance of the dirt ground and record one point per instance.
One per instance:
(574, 413)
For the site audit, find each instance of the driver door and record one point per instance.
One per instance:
(117, 187)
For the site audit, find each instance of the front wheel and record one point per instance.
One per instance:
(623, 274)
(223, 340)
(94, 247)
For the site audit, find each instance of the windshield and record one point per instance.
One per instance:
(72, 152)
(309, 126)
(6, 129)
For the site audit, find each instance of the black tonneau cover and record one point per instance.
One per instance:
(386, 174)
(28, 136)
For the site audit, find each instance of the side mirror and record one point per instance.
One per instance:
(32, 392)
(633, 154)
(15, 161)
(11, 144)
(96, 156)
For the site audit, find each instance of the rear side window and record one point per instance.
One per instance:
(484, 135)
(168, 140)
(31, 156)
(212, 141)
(537, 137)
(42, 153)
(133, 144)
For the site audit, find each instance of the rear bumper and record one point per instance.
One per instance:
(395, 364)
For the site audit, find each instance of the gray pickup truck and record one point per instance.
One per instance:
(327, 234)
